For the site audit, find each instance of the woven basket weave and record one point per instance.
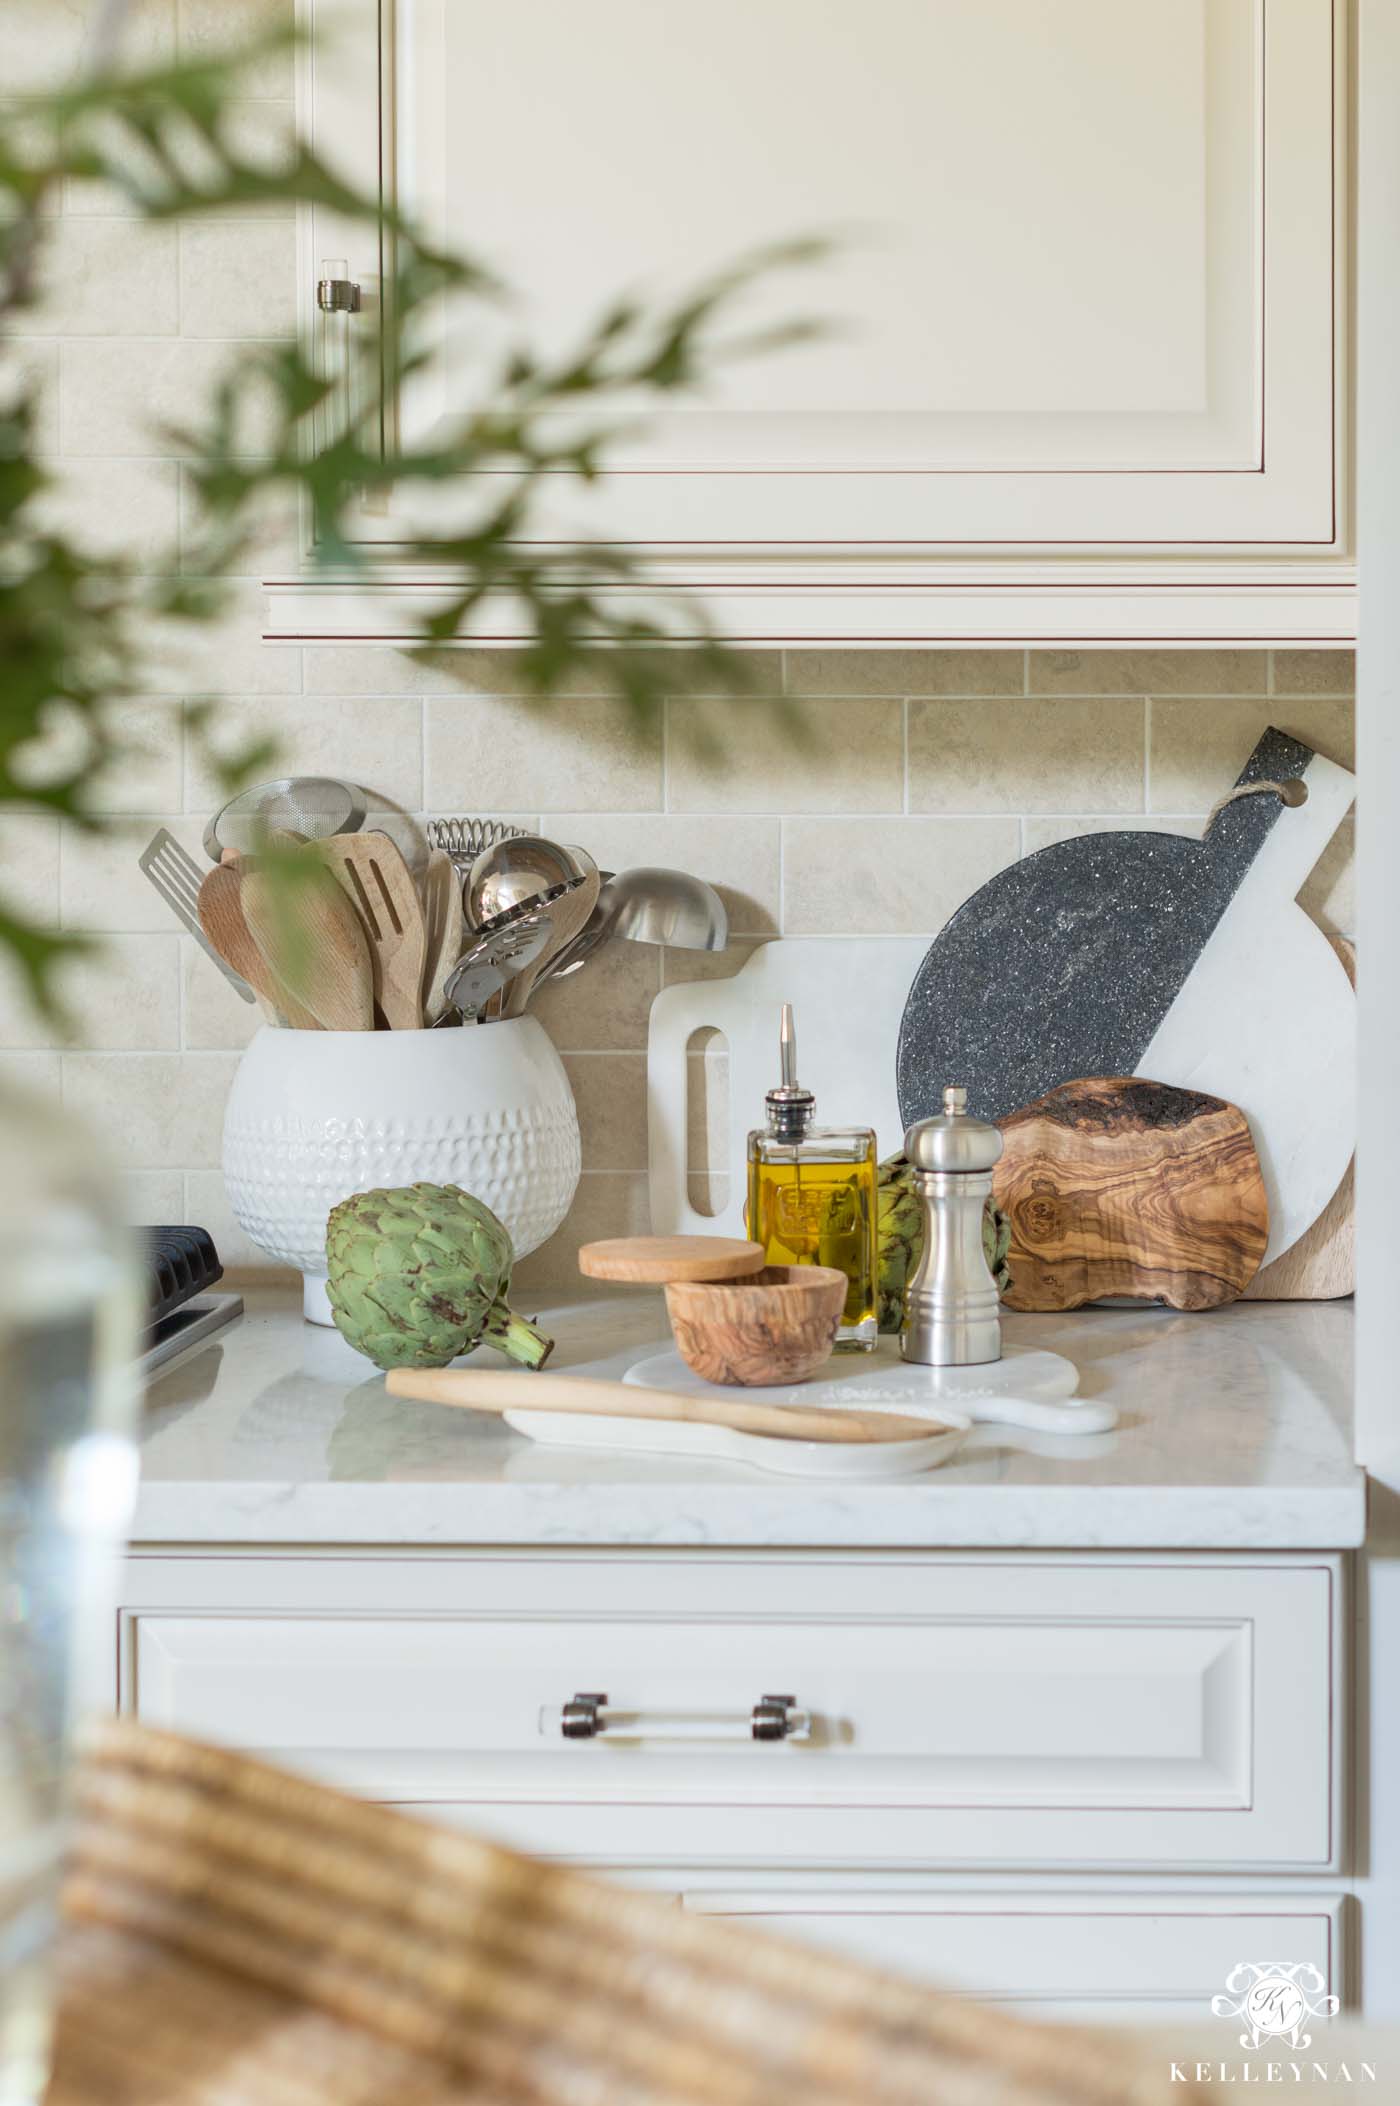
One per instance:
(241, 1936)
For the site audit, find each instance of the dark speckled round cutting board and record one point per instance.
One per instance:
(1066, 963)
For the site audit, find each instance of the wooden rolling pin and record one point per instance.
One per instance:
(487, 1390)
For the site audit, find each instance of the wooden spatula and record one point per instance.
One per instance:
(567, 916)
(372, 872)
(446, 930)
(313, 938)
(479, 1390)
(222, 920)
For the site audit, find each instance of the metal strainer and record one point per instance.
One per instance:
(310, 805)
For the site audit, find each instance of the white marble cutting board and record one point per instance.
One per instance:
(848, 994)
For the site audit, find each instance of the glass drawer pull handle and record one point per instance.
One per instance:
(587, 1716)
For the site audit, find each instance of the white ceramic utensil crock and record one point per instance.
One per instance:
(316, 1115)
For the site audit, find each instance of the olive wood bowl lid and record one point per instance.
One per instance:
(657, 1260)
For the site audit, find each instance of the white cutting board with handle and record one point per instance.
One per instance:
(848, 994)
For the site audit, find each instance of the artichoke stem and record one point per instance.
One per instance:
(516, 1336)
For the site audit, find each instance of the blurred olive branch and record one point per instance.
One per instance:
(74, 621)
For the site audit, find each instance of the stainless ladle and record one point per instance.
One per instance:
(647, 906)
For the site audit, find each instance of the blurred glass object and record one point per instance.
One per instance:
(70, 1315)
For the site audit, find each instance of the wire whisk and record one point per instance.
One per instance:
(462, 840)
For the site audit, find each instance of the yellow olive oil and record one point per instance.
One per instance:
(813, 1195)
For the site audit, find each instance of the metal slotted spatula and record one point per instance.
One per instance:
(177, 878)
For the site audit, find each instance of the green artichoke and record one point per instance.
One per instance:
(901, 1240)
(418, 1275)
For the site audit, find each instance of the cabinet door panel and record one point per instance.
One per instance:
(1083, 287)
(1143, 1959)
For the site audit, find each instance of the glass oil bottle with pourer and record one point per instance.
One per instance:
(813, 1194)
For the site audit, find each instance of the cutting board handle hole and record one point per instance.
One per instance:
(707, 1116)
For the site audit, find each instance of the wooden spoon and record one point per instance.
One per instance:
(314, 921)
(222, 920)
(446, 930)
(480, 1390)
(371, 870)
(567, 915)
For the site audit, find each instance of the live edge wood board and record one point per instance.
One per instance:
(1123, 1186)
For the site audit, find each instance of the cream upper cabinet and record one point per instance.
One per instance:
(1083, 374)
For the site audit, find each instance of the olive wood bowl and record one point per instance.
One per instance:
(779, 1325)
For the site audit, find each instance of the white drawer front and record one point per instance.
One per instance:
(1145, 1959)
(975, 1711)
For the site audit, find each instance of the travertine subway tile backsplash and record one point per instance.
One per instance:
(861, 792)
(896, 809)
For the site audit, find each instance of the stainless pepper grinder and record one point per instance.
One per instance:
(952, 1311)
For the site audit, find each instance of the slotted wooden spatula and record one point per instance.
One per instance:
(446, 931)
(371, 870)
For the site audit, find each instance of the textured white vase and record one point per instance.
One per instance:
(316, 1115)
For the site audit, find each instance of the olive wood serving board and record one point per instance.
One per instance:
(1120, 1186)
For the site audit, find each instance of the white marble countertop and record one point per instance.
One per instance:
(1234, 1434)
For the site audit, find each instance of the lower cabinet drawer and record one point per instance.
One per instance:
(1147, 1959)
(963, 1710)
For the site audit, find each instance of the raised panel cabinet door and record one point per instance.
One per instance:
(1083, 287)
(1119, 1958)
(961, 1711)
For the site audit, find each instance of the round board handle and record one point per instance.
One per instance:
(654, 1260)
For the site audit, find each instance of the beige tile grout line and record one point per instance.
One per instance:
(665, 754)
(782, 877)
(1146, 754)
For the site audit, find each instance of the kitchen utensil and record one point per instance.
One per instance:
(473, 1389)
(778, 1325)
(315, 942)
(1321, 1266)
(222, 921)
(371, 869)
(1128, 1187)
(846, 1462)
(310, 806)
(489, 964)
(952, 1308)
(1152, 954)
(177, 878)
(648, 906)
(1028, 1388)
(313, 1116)
(515, 872)
(462, 840)
(445, 931)
(565, 914)
(849, 992)
(654, 1260)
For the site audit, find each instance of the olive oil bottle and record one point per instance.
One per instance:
(813, 1194)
